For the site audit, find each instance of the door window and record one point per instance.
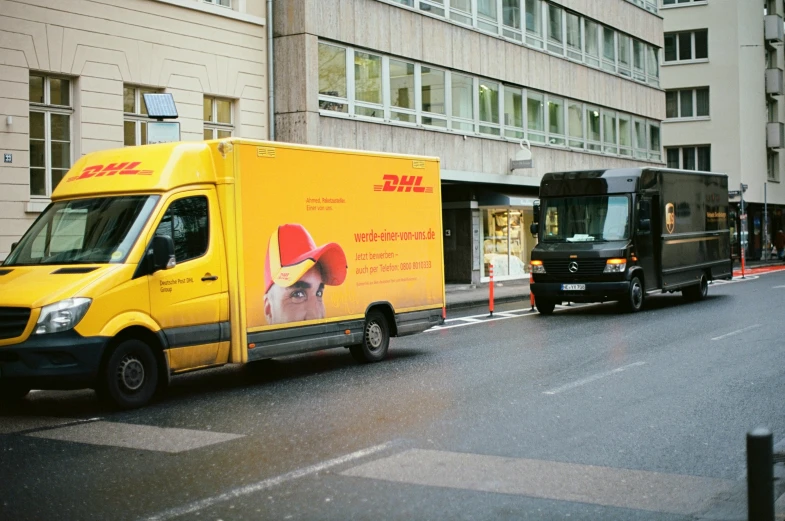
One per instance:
(186, 222)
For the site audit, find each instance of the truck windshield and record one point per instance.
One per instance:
(86, 231)
(586, 219)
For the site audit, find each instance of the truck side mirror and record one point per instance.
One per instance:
(644, 225)
(13, 245)
(536, 212)
(535, 229)
(163, 253)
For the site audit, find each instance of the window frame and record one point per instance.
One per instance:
(216, 127)
(678, 93)
(220, 3)
(48, 109)
(695, 151)
(138, 118)
(693, 47)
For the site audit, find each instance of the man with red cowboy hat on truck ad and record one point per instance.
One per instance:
(296, 272)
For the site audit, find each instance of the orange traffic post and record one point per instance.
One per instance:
(490, 289)
(531, 293)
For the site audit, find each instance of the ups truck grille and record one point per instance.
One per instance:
(13, 321)
(584, 267)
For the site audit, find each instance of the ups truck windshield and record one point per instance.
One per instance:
(85, 231)
(586, 219)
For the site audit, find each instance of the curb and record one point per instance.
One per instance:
(497, 300)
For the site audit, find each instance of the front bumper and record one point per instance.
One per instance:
(56, 361)
(594, 292)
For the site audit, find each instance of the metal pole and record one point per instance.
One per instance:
(760, 475)
(742, 227)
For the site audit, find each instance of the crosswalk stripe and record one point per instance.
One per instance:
(613, 487)
(131, 436)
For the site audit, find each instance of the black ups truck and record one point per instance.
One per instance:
(620, 234)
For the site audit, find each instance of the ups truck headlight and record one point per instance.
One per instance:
(62, 316)
(537, 266)
(615, 266)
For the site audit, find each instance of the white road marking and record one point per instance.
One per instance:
(726, 335)
(589, 379)
(265, 484)
(777, 287)
(613, 487)
(131, 436)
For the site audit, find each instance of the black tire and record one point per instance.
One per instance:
(545, 306)
(376, 339)
(12, 393)
(130, 377)
(697, 292)
(635, 295)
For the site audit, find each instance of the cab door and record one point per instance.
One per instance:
(190, 300)
(647, 240)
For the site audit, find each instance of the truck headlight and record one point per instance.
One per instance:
(62, 316)
(537, 266)
(615, 266)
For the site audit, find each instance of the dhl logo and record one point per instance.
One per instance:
(127, 168)
(404, 183)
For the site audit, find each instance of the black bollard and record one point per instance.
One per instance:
(760, 475)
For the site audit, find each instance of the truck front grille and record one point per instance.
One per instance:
(585, 267)
(13, 321)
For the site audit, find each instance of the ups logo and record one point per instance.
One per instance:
(670, 217)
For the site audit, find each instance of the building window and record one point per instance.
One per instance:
(217, 118)
(222, 3)
(682, 2)
(50, 132)
(689, 158)
(135, 117)
(537, 23)
(687, 46)
(398, 92)
(687, 103)
(655, 148)
(773, 166)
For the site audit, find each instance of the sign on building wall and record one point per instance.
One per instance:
(163, 132)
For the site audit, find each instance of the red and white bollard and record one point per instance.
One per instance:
(531, 293)
(490, 290)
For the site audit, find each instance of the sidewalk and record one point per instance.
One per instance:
(469, 295)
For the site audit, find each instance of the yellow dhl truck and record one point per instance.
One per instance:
(161, 259)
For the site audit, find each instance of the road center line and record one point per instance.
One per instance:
(592, 378)
(726, 335)
(265, 484)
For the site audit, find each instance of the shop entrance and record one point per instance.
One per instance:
(506, 242)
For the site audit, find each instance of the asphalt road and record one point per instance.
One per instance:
(587, 414)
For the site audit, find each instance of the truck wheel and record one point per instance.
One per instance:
(130, 377)
(11, 393)
(698, 292)
(635, 296)
(376, 339)
(544, 306)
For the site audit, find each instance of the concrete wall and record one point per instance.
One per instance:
(185, 47)
(388, 28)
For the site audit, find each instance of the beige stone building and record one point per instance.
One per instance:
(723, 75)
(469, 81)
(72, 75)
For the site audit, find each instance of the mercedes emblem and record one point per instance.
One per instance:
(573, 267)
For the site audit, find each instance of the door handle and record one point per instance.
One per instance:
(209, 277)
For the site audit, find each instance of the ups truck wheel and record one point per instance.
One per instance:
(376, 339)
(634, 301)
(544, 306)
(698, 292)
(130, 377)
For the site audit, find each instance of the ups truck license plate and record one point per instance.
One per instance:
(573, 287)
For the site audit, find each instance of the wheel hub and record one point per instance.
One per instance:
(375, 335)
(637, 295)
(130, 372)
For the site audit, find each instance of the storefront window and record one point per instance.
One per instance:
(506, 242)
